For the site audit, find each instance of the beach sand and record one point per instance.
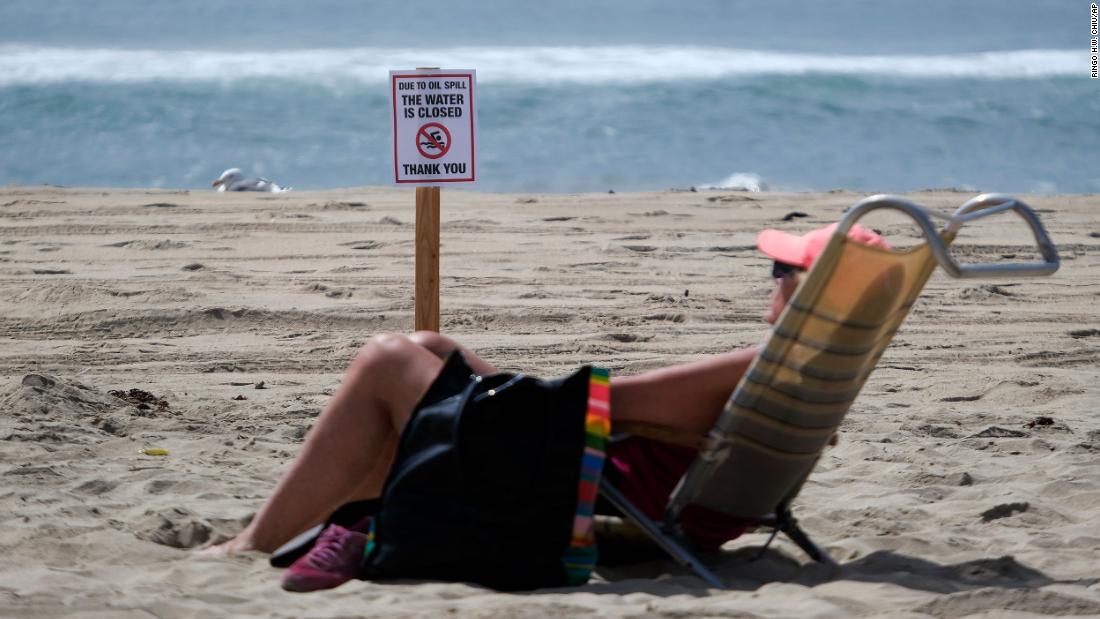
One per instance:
(966, 481)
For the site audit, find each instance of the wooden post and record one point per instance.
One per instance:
(427, 259)
(427, 255)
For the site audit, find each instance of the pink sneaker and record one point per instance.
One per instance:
(332, 561)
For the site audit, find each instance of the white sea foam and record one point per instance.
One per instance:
(746, 181)
(30, 65)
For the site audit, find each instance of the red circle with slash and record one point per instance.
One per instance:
(428, 141)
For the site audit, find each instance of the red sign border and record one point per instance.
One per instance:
(473, 146)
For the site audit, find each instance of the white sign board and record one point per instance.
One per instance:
(434, 126)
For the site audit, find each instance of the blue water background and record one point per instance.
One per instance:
(149, 117)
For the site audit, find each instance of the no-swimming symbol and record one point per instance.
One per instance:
(433, 140)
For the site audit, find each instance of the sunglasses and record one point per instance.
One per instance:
(782, 269)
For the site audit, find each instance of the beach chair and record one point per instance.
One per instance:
(808, 372)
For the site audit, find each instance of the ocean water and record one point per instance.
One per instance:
(573, 96)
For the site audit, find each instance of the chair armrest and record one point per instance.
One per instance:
(975, 208)
(990, 204)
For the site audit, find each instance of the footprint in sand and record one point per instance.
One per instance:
(332, 293)
(147, 244)
(363, 245)
(96, 487)
(178, 527)
(731, 198)
(627, 337)
(342, 206)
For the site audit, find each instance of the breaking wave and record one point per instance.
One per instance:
(37, 65)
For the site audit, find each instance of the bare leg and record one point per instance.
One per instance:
(370, 487)
(688, 396)
(442, 346)
(350, 445)
(348, 453)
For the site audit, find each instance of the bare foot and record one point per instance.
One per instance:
(234, 546)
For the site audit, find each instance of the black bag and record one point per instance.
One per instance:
(484, 485)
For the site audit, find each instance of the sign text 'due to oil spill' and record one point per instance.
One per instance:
(434, 126)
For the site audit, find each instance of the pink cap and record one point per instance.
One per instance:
(801, 251)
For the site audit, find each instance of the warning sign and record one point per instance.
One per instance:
(434, 126)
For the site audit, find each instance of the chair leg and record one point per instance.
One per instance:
(789, 525)
(667, 542)
(764, 548)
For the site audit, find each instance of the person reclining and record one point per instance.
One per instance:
(349, 451)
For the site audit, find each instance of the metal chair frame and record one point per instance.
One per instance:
(668, 534)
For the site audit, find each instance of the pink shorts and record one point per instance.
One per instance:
(647, 471)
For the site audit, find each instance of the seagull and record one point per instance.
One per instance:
(233, 180)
